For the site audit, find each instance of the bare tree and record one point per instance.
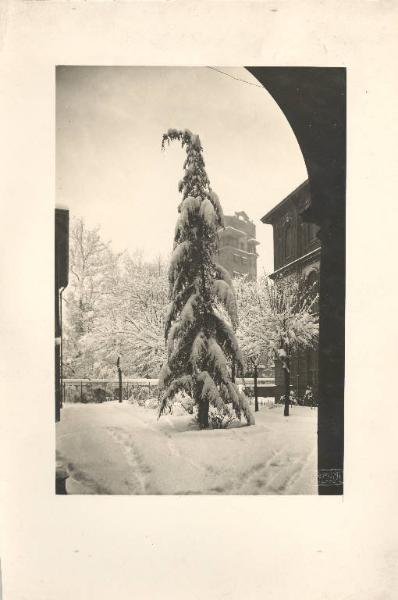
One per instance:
(276, 319)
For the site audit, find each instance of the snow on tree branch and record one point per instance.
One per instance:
(200, 342)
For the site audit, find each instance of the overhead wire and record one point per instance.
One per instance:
(234, 77)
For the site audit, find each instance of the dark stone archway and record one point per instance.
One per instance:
(313, 100)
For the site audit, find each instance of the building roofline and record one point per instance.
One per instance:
(298, 260)
(245, 217)
(267, 218)
(233, 229)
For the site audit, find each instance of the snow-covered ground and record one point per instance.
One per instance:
(114, 448)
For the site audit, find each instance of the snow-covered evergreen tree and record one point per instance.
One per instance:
(201, 344)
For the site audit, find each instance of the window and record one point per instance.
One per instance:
(288, 241)
(303, 236)
(312, 231)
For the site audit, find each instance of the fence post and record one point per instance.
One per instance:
(255, 388)
(81, 391)
(119, 372)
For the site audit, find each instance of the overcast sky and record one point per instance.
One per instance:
(110, 168)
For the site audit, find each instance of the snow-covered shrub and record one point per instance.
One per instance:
(139, 395)
(292, 398)
(154, 391)
(142, 395)
(178, 410)
(185, 401)
(72, 395)
(99, 395)
(221, 418)
(152, 403)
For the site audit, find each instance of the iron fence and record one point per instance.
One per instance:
(103, 390)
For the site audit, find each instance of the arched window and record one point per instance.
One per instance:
(312, 232)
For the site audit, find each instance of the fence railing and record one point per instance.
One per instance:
(102, 390)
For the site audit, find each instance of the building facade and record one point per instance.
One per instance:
(238, 255)
(297, 251)
(61, 281)
(237, 246)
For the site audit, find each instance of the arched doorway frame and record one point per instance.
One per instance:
(313, 100)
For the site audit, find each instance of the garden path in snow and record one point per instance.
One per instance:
(114, 448)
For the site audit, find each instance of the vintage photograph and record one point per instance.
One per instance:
(198, 300)
(199, 307)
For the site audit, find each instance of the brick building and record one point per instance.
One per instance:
(237, 246)
(297, 251)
